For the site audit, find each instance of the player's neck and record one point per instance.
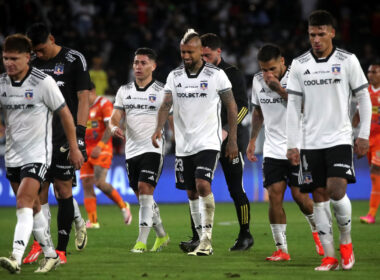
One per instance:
(20, 76)
(55, 52)
(324, 54)
(194, 69)
(142, 83)
(375, 86)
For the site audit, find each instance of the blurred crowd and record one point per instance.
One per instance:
(108, 32)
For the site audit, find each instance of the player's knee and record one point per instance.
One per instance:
(203, 187)
(336, 188)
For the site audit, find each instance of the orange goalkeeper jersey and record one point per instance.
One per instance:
(100, 112)
(375, 99)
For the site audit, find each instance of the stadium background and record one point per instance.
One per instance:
(108, 32)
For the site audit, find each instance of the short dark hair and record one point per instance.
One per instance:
(268, 52)
(375, 63)
(17, 43)
(321, 17)
(38, 33)
(211, 40)
(148, 52)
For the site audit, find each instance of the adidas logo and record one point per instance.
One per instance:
(20, 242)
(179, 85)
(67, 172)
(349, 172)
(129, 97)
(208, 175)
(143, 224)
(4, 94)
(307, 72)
(33, 170)
(151, 178)
(262, 90)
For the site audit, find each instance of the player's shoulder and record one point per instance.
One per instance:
(177, 72)
(38, 74)
(303, 58)
(104, 101)
(259, 76)
(127, 86)
(157, 85)
(212, 67)
(342, 54)
(72, 55)
(3, 78)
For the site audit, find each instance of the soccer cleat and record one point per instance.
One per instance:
(318, 244)
(48, 264)
(279, 255)
(127, 214)
(160, 243)
(243, 243)
(328, 263)
(81, 237)
(204, 248)
(92, 225)
(190, 245)
(10, 264)
(62, 256)
(139, 247)
(347, 256)
(34, 253)
(369, 219)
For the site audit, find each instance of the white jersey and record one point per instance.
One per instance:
(196, 108)
(273, 107)
(141, 106)
(326, 86)
(28, 107)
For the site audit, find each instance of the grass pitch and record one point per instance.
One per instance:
(108, 256)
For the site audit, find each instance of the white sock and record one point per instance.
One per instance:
(77, 215)
(42, 234)
(23, 230)
(310, 220)
(46, 212)
(157, 222)
(279, 236)
(323, 222)
(145, 217)
(207, 209)
(342, 210)
(196, 215)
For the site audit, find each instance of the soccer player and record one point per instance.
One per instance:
(269, 98)
(195, 90)
(99, 150)
(69, 69)
(28, 98)
(321, 82)
(233, 170)
(374, 142)
(140, 100)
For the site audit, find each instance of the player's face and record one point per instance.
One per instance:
(45, 51)
(143, 67)
(374, 75)
(16, 64)
(211, 56)
(274, 67)
(321, 39)
(191, 54)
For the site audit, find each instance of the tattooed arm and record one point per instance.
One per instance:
(163, 114)
(230, 104)
(257, 122)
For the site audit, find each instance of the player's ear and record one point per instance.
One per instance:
(332, 32)
(154, 65)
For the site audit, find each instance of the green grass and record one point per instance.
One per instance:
(107, 254)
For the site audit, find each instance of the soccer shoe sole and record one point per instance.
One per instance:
(8, 265)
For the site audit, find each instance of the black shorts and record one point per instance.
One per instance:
(318, 165)
(144, 168)
(277, 170)
(201, 166)
(33, 170)
(60, 167)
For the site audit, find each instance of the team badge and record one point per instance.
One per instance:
(204, 85)
(58, 69)
(307, 178)
(29, 94)
(335, 69)
(152, 98)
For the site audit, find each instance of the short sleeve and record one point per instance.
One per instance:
(255, 97)
(119, 99)
(106, 109)
(357, 79)
(52, 95)
(169, 86)
(223, 84)
(293, 84)
(81, 74)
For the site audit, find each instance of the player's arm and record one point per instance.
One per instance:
(103, 142)
(257, 123)
(293, 116)
(229, 103)
(114, 128)
(365, 114)
(75, 155)
(162, 116)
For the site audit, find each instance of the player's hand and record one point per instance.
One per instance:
(117, 132)
(361, 147)
(96, 152)
(224, 134)
(251, 150)
(76, 158)
(293, 156)
(156, 135)
(81, 132)
(231, 149)
(272, 82)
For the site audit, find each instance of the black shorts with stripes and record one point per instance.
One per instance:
(33, 170)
